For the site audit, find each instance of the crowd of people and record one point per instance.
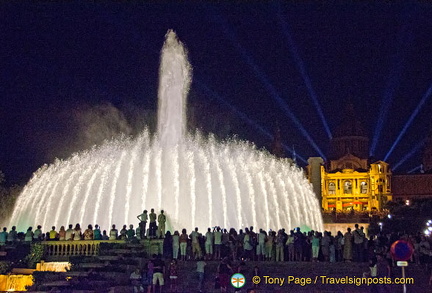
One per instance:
(353, 245)
(230, 245)
(77, 233)
(217, 243)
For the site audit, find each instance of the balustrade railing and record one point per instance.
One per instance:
(73, 248)
(65, 249)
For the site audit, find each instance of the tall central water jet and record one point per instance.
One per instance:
(174, 82)
(198, 181)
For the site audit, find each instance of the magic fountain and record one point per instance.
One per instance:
(197, 180)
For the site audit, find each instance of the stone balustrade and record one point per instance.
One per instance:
(62, 250)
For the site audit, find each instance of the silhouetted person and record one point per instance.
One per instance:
(143, 223)
(152, 217)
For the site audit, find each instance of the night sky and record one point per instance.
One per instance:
(72, 75)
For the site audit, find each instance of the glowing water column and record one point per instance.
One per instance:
(174, 82)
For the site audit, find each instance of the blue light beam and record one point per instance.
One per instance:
(302, 68)
(415, 149)
(410, 120)
(269, 87)
(418, 168)
(244, 117)
(404, 41)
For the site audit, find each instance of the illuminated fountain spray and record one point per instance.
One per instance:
(174, 82)
(198, 181)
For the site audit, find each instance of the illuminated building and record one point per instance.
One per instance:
(349, 180)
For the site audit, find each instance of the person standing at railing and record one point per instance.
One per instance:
(3, 236)
(153, 227)
(196, 249)
(123, 233)
(69, 233)
(176, 244)
(161, 224)
(130, 233)
(37, 235)
(28, 235)
(217, 235)
(12, 236)
(88, 233)
(62, 233)
(113, 233)
(77, 232)
(143, 218)
(104, 235)
(97, 233)
(53, 235)
(209, 244)
(183, 239)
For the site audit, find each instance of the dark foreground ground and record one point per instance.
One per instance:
(296, 272)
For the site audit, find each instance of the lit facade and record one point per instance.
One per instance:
(349, 189)
(349, 180)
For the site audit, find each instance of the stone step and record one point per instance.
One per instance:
(109, 257)
(120, 289)
(91, 265)
(76, 274)
(58, 284)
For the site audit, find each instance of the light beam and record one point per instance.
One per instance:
(418, 168)
(404, 40)
(415, 149)
(410, 120)
(245, 117)
(302, 68)
(269, 87)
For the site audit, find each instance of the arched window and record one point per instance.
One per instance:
(363, 187)
(380, 185)
(347, 187)
(332, 188)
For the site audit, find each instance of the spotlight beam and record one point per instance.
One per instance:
(410, 120)
(384, 109)
(404, 41)
(302, 68)
(415, 149)
(269, 87)
(414, 169)
(245, 117)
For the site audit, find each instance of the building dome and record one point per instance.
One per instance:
(350, 128)
(350, 125)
